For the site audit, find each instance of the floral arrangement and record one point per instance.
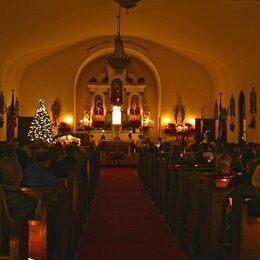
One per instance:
(145, 128)
(87, 127)
(99, 111)
(64, 128)
(176, 130)
(68, 139)
(134, 123)
(98, 124)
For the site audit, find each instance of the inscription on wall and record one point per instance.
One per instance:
(126, 42)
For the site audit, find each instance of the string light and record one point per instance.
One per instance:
(41, 128)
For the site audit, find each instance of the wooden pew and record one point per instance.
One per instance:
(245, 244)
(51, 237)
(183, 187)
(14, 234)
(204, 226)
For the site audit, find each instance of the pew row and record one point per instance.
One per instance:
(14, 234)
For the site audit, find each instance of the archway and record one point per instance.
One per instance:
(137, 57)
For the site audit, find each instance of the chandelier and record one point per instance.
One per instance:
(119, 61)
(128, 3)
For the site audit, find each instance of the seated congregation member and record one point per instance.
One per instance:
(176, 155)
(245, 176)
(55, 158)
(223, 162)
(69, 162)
(165, 147)
(253, 205)
(18, 203)
(22, 155)
(37, 174)
(139, 142)
(189, 156)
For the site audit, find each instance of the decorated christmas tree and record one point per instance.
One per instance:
(41, 128)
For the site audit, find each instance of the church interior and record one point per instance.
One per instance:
(138, 120)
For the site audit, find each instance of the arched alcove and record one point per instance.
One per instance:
(97, 66)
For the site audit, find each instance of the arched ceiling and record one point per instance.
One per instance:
(227, 32)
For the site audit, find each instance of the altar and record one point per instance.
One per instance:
(118, 152)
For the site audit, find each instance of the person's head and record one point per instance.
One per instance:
(55, 152)
(130, 135)
(102, 137)
(176, 151)
(251, 166)
(159, 139)
(256, 178)
(32, 149)
(91, 136)
(189, 158)
(10, 172)
(42, 157)
(140, 137)
(223, 162)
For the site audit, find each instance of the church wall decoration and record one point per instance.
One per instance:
(232, 113)
(113, 89)
(253, 108)
(179, 129)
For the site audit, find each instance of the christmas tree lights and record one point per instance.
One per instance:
(41, 128)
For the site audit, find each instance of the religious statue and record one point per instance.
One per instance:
(135, 109)
(232, 106)
(253, 101)
(253, 108)
(55, 109)
(232, 113)
(179, 114)
(99, 110)
(117, 92)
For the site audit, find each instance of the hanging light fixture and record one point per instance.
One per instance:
(119, 61)
(127, 3)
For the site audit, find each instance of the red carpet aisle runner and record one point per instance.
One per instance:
(123, 224)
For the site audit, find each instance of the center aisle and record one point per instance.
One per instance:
(123, 224)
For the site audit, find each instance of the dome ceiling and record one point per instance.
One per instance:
(224, 31)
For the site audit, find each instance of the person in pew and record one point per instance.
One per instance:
(189, 156)
(250, 190)
(69, 162)
(223, 162)
(18, 203)
(22, 155)
(55, 158)
(176, 155)
(246, 176)
(37, 173)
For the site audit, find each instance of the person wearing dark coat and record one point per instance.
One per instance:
(37, 174)
(70, 162)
